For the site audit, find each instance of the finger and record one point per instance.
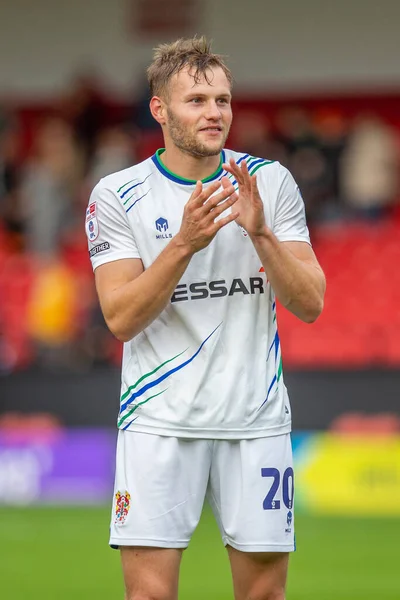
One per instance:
(225, 182)
(198, 189)
(237, 170)
(223, 206)
(225, 220)
(246, 176)
(205, 192)
(233, 169)
(196, 192)
(218, 198)
(254, 188)
(227, 186)
(243, 177)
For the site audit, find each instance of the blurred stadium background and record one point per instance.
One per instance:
(317, 88)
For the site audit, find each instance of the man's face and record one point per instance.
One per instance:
(199, 115)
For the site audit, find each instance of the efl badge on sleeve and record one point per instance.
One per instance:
(122, 506)
(92, 224)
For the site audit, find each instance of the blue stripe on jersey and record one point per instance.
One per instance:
(275, 343)
(237, 162)
(130, 423)
(137, 200)
(255, 162)
(243, 157)
(134, 186)
(252, 162)
(269, 391)
(250, 165)
(167, 374)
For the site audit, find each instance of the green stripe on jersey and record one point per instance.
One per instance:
(161, 151)
(279, 370)
(125, 184)
(132, 387)
(128, 414)
(267, 162)
(253, 170)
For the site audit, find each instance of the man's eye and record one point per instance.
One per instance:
(196, 100)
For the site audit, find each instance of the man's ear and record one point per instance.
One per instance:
(157, 109)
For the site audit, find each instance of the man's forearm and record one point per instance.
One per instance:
(134, 305)
(298, 285)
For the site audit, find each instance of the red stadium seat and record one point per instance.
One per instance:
(361, 319)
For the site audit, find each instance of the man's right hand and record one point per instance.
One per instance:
(199, 223)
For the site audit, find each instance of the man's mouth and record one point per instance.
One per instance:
(214, 128)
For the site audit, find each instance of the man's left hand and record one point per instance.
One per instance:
(249, 205)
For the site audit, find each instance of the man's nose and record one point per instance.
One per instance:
(213, 111)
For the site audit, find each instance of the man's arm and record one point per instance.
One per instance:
(291, 266)
(131, 297)
(294, 273)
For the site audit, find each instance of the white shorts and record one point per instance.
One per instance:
(161, 483)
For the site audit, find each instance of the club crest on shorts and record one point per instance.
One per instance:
(122, 506)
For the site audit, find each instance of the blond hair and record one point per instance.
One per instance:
(169, 59)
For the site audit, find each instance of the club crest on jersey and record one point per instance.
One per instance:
(122, 506)
(162, 227)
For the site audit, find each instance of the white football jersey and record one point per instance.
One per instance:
(209, 366)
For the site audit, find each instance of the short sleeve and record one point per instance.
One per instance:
(109, 234)
(290, 216)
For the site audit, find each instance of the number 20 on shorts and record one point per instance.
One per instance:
(287, 488)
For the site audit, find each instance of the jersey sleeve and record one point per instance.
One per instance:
(108, 231)
(290, 216)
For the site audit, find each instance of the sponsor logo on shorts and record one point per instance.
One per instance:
(99, 248)
(122, 506)
(289, 520)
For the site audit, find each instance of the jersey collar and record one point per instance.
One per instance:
(176, 178)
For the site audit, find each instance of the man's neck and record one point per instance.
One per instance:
(187, 166)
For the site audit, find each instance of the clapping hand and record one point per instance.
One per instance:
(200, 222)
(249, 205)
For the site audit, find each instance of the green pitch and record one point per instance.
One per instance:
(59, 554)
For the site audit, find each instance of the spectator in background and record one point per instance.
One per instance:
(114, 151)
(370, 167)
(8, 152)
(10, 210)
(51, 314)
(85, 108)
(331, 130)
(49, 185)
(295, 129)
(140, 113)
(306, 160)
(252, 132)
